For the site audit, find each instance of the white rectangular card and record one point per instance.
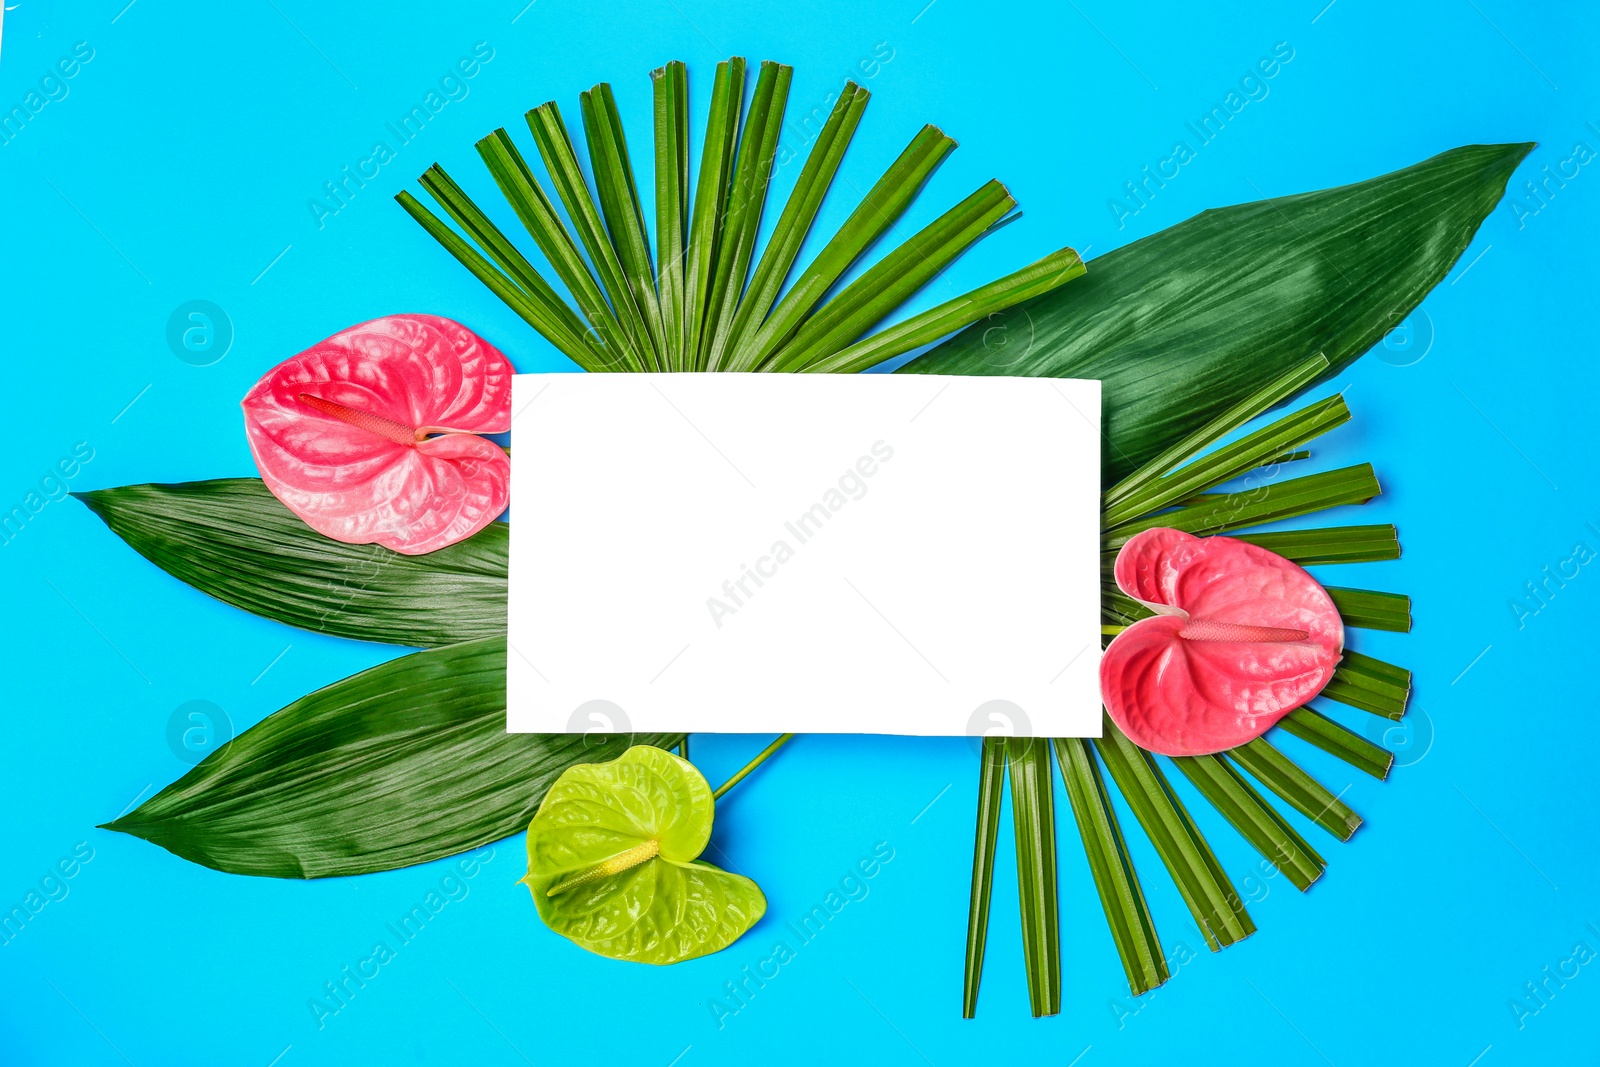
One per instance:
(817, 553)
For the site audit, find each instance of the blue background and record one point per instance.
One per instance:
(180, 164)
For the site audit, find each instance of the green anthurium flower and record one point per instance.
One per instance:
(613, 862)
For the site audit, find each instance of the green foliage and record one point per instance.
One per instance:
(232, 539)
(613, 862)
(1181, 325)
(400, 764)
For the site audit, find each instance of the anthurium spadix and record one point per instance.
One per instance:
(371, 435)
(1240, 638)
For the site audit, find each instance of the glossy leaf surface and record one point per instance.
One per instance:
(1240, 638)
(1180, 325)
(371, 436)
(404, 763)
(232, 539)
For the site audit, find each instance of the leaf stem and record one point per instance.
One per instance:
(761, 757)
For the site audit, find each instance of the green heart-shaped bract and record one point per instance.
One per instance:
(613, 862)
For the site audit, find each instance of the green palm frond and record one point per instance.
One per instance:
(1177, 488)
(708, 302)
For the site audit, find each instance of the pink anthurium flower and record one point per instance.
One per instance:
(371, 435)
(1241, 637)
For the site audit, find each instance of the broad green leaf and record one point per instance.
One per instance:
(1182, 324)
(404, 763)
(613, 862)
(232, 539)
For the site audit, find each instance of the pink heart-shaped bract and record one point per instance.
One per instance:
(1241, 638)
(344, 433)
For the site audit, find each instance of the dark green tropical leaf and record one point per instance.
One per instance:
(231, 538)
(400, 764)
(1182, 324)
